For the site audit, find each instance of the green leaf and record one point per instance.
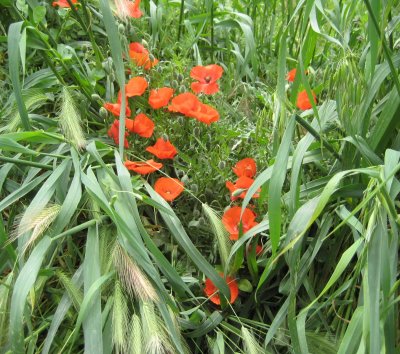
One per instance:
(23, 285)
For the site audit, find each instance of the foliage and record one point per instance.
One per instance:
(93, 259)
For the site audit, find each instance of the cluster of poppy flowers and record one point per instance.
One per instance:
(125, 8)
(303, 101)
(235, 222)
(187, 104)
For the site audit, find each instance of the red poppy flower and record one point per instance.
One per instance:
(143, 167)
(291, 75)
(204, 113)
(160, 97)
(163, 149)
(240, 187)
(211, 290)
(231, 221)
(115, 109)
(140, 56)
(246, 167)
(207, 77)
(113, 133)
(303, 101)
(63, 3)
(141, 125)
(185, 103)
(259, 249)
(168, 188)
(136, 86)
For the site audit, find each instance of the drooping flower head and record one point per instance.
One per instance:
(160, 97)
(136, 86)
(113, 133)
(231, 221)
(246, 167)
(141, 125)
(240, 187)
(291, 75)
(188, 104)
(162, 149)
(63, 3)
(115, 109)
(169, 188)
(143, 167)
(184, 103)
(206, 77)
(126, 9)
(303, 102)
(205, 114)
(212, 291)
(140, 56)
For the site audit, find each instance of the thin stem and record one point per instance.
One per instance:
(314, 133)
(386, 51)
(181, 19)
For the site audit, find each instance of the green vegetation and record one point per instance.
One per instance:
(94, 259)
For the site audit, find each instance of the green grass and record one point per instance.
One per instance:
(93, 260)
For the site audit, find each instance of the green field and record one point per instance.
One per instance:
(199, 176)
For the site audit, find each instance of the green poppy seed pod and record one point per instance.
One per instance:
(185, 179)
(196, 213)
(182, 89)
(174, 84)
(202, 221)
(121, 28)
(181, 120)
(96, 97)
(179, 77)
(194, 188)
(196, 131)
(221, 165)
(165, 137)
(103, 113)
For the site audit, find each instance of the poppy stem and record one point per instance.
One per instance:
(181, 19)
(316, 135)
(212, 30)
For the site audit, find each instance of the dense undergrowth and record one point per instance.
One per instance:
(95, 258)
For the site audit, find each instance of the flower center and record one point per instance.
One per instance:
(207, 79)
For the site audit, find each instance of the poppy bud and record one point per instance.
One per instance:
(250, 140)
(185, 179)
(181, 120)
(179, 77)
(96, 97)
(103, 112)
(121, 28)
(182, 89)
(165, 137)
(144, 43)
(233, 83)
(202, 221)
(151, 57)
(107, 65)
(221, 165)
(112, 77)
(174, 84)
(194, 188)
(196, 131)
(196, 213)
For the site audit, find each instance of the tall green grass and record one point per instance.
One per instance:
(100, 263)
